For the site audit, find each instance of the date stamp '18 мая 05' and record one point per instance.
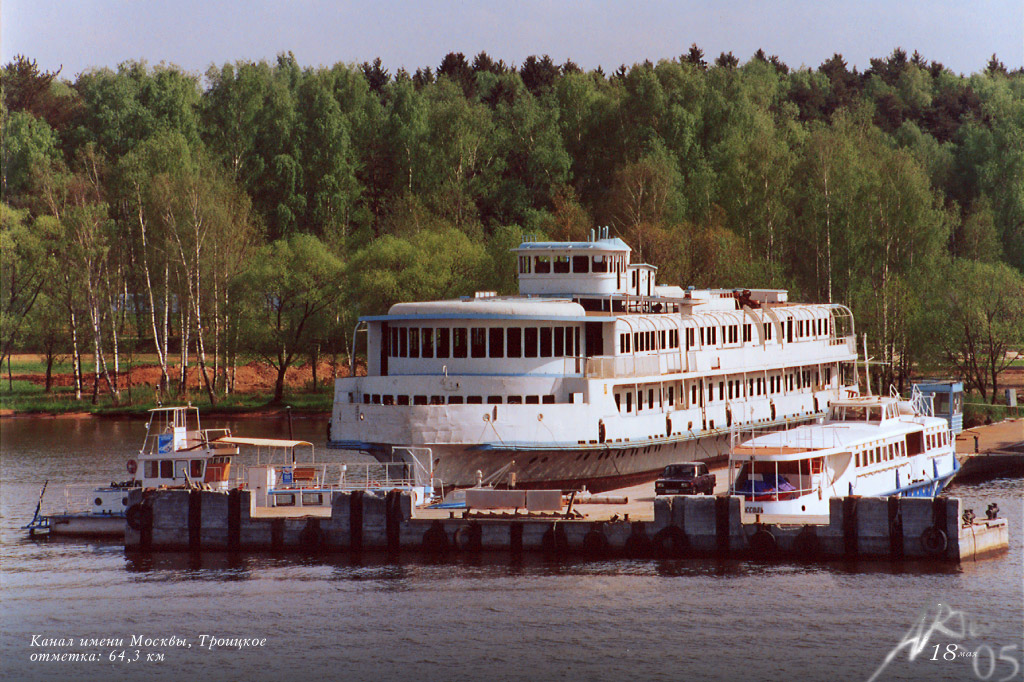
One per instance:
(987, 662)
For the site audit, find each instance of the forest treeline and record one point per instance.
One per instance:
(255, 211)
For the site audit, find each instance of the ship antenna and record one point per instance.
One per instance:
(867, 366)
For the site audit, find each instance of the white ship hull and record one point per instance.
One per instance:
(85, 524)
(549, 446)
(868, 447)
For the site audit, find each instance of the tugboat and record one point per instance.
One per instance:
(866, 446)
(175, 453)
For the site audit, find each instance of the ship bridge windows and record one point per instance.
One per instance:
(530, 342)
(496, 342)
(545, 342)
(478, 342)
(460, 345)
(856, 413)
(600, 263)
(427, 342)
(542, 265)
(560, 265)
(515, 342)
(581, 265)
(444, 342)
(483, 342)
(414, 342)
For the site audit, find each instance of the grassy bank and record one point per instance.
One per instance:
(29, 398)
(26, 394)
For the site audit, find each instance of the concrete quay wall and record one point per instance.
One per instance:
(876, 528)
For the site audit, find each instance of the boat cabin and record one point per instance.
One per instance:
(869, 409)
(178, 452)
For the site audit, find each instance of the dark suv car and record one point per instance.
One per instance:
(687, 478)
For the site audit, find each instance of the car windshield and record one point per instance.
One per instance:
(678, 471)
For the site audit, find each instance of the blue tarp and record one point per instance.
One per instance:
(769, 484)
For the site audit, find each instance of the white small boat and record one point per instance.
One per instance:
(866, 446)
(175, 453)
(178, 453)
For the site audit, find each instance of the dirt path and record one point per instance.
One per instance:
(255, 377)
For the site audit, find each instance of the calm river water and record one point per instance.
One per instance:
(488, 619)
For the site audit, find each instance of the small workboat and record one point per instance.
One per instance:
(179, 453)
(176, 452)
(867, 446)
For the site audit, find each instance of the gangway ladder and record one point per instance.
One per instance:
(423, 474)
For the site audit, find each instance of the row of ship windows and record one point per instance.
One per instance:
(934, 440)
(543, 265)
(178, 468)
(646, 396)
(884, 453)
(379, 399)
(728, 389)
(483, 342)
(730, 334)
(546, 342)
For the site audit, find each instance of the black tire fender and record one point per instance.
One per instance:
(554, 540)
(763, 543)
(637, 545)
(468, 538)
(139, 516)
(807, 544)
(435, 539)
(671, 542)
(934, 540)
(312, 537)
(595, 543)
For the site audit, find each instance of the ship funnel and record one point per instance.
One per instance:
(592, 235)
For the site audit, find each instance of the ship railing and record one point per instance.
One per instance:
(77, 498)
(797, 436)
(376, 475)
(849, 341)
(611, 367)
(345, 476)
(300, 476)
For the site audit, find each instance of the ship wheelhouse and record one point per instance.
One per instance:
(178, 452)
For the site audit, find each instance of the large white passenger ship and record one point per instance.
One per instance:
(594, 375)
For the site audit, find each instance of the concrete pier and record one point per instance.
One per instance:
(682, 526)
(993, 450)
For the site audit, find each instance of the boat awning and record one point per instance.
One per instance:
(262, 442)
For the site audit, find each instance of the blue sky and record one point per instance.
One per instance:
(81, 34)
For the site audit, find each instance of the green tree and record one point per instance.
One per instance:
(293, 283)
(23, 273)
(982, 321)
(28, 142)
(427, 265)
